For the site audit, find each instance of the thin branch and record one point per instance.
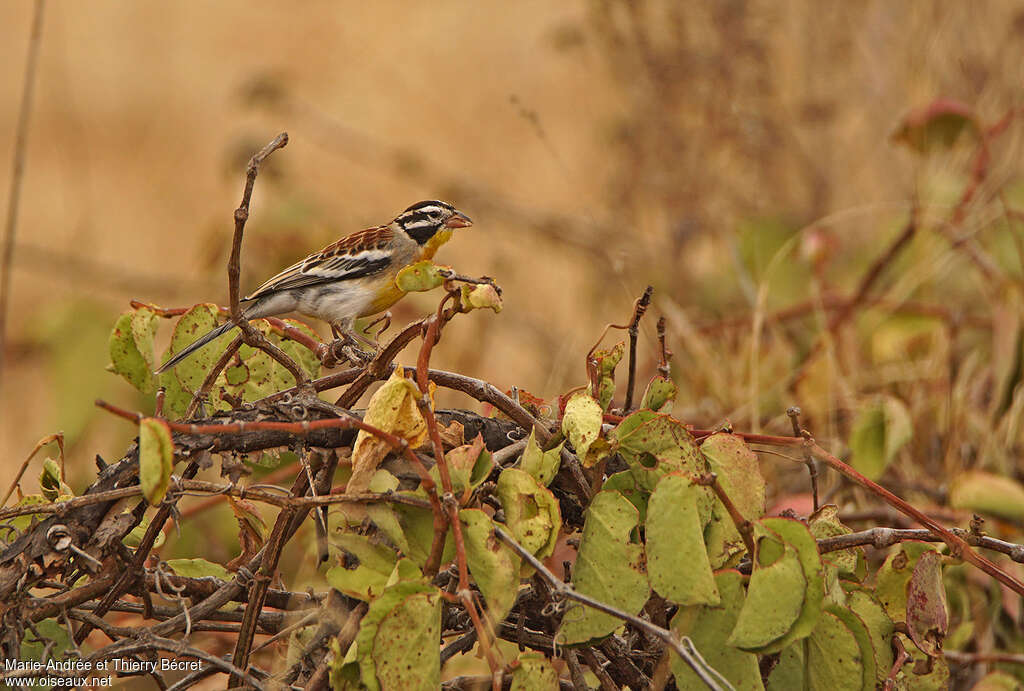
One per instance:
(699, 667)
(242, 215)
(812, 470)
(744, 527)
(639, 309)
(881, 538)
(957, 545)
(250, 335)
(900, 658)
(450, 502)
(58, 437)
(18, 172)
(134, 570)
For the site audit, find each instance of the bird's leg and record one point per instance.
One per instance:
(347, 344)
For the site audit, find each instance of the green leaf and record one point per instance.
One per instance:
(878, 433)
(533, 672)
(542, 465)
(660, 394)
(825, 523)
(397, 643)
(835, 659)
(134, 537)
(625, 484)
(493, 565)
(982, 492)
(655, 444)
(786, 588)
(606, 360)
(775, 597)
(582, 425)
(303, 356)
(195, 323)
(176, 399)
(156, 459)
(739, 474)
(199, 568)
(56, 641)
(709, 628)
(419, 277)
(788, 673)
(468, 466)
(366, 579)
(879, 627)
(610, 568)
(677, 559)
(51, 481)
(417, 532)
(894, 575)
(531, 512)
(131, 348)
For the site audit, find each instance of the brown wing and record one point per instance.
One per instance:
(360, 254)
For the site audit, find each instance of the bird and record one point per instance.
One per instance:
(351, 278)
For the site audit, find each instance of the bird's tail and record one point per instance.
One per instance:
(193, 347)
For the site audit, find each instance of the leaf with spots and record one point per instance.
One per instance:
(393, 409)
(581, 424)
(397, 644)
(543, 465)
(533, 672)
(365, 569)
(655, 444)
(739, 474)
(493, 565)
(421, 276)
(927, 613)
(610, 567)
(131, 348)
(677, 560)
(531, 512)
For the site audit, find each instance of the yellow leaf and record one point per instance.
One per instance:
(392, 409)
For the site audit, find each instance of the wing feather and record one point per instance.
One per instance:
(360, 254)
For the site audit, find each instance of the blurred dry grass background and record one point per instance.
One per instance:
(720, 151)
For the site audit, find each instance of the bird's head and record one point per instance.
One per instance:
(431, 221)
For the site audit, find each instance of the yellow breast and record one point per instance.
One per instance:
(387, 293)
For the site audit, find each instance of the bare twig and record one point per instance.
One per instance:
(639, 308)
(812, 470)
(450, 502)
(901, 658)
(59, 438)
(250, 335)
(743, 526)
(881, 538)
(18, 172)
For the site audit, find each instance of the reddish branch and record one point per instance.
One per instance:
(957, 545)
(451, 503)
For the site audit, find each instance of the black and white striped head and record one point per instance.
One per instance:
(424, 219)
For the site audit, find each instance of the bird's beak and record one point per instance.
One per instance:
(458, 220)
